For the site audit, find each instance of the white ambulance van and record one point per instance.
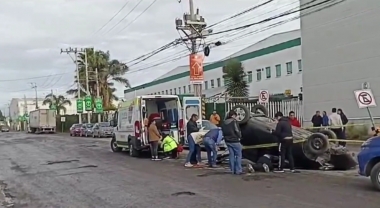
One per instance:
(131, 120)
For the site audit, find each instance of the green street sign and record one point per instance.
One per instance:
(88, 103)
(79, 105)
(98, 105)
(53, 107)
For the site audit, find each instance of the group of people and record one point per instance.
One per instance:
(167, 142)
(231, 134)
(336, 121)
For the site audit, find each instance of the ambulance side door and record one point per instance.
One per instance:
(191, 105)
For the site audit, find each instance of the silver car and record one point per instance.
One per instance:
(102, 129)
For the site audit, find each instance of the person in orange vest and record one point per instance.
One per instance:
(215, 118)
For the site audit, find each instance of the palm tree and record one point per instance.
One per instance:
(59, 102)
(234, 76)
(109, 72)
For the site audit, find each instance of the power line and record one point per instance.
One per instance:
(12, 80)
(240, 13)
(125, 16)
(113, 17)
(150, 5)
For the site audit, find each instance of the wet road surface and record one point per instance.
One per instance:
(60, 171)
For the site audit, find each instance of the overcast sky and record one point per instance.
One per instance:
(33, 32)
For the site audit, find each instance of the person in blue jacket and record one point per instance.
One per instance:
(325, 119)
(211, 140)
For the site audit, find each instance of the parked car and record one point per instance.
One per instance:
(102, 129)
(369, 160)
(310, 150)
(75, 129)
(86, 130)
(4, 129)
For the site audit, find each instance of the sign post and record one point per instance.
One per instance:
(365, 99)
(264, 96)
(63, 120)
(79, 105)
(98, 105)
(88, 103)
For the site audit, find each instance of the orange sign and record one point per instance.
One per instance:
(196, 69)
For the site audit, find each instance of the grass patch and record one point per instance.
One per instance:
(358, 132)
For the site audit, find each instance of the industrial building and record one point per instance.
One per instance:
(340, 51)
(272, 64)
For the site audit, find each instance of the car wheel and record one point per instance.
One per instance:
(132, 151)
(114, 146)
(330, 134)
(93, 135)
(317, 144)
(243, 114)
(375, 176)
(259, 109)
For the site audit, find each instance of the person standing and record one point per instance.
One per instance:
(325, 119)
(317, 119)
(344, 122)
(293, 119)
(284, 134)
(215, 118)
(191, 128)
(154, 137)
(232, 135)
(211, 140)
(336, 124)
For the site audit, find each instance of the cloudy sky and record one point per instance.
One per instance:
(33, 32)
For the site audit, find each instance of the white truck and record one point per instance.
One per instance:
(131, 120)
(42, 121)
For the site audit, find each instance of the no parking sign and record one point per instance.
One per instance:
(264, 96)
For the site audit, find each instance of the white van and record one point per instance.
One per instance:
(131, 120)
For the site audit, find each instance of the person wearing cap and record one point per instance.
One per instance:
(284, 134)
(232, 135)
(154, 138)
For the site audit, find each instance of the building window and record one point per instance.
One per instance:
(258, 74)
(250, 78)
(206, 85)
(184, 89)
(268, 72)
(154, 93)
(158, 93)
(171, 91)
(278, 70)
(167, 92)
(299, 65)
(162, 92)
(175, 91)
(218, 82)
(179, 90)
(289, 68)
(212, 83)
(189, 88)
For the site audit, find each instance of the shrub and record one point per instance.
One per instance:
(357, 132)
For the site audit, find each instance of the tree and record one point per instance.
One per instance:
(109, 71)
(59, 101)
(2, 117)
(234, 76)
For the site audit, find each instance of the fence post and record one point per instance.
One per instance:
(203, 101)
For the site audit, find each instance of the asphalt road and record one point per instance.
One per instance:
(51, 171)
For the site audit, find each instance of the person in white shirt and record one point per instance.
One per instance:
(336, 124)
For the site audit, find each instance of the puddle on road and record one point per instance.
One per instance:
(60, 161)
(86, 166)
(184, 193)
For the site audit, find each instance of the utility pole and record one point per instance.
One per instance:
(193, 26)
(34, 86)
(87, 84)
(97, 90)
(75, 59)
(25, 110)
